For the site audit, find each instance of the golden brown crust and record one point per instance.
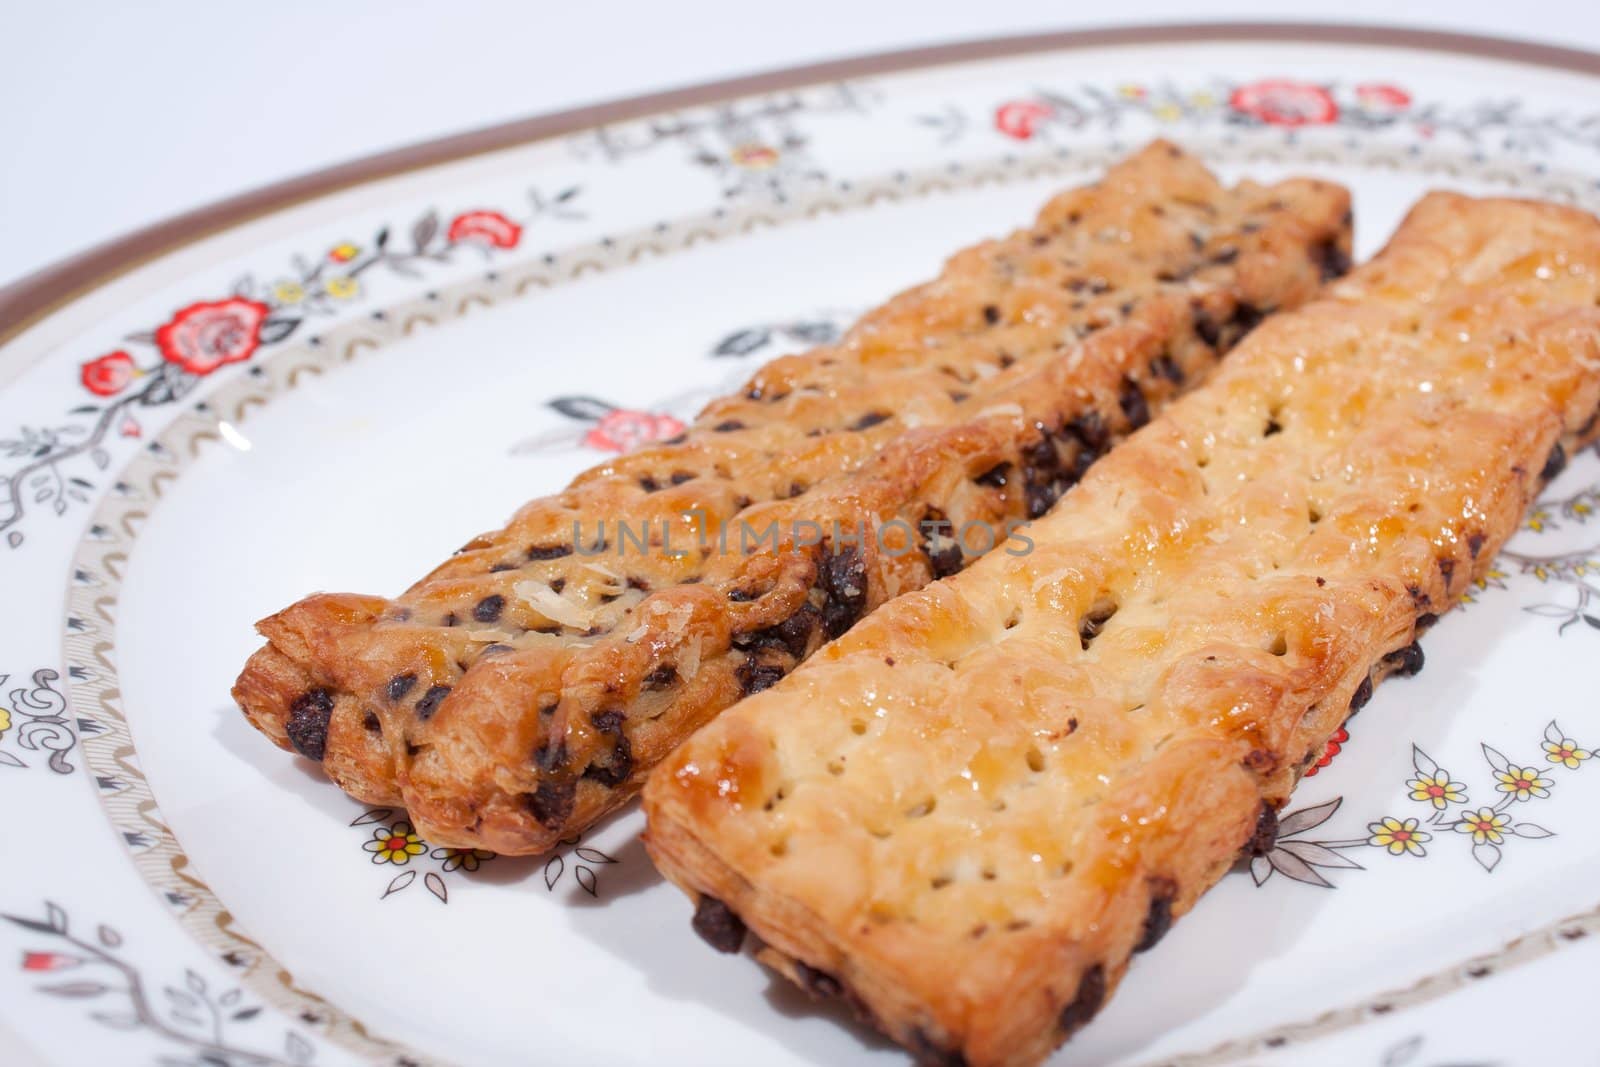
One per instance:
(526, 687)
(971, 810)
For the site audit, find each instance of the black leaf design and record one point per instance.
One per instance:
(109, 937)
(586, 878)
(372, 815)
(1496, 759)
(1292, 866)
(299, 1050)
(552, 872)
(593, 855)
(245, 1014)
(116, 1020)
(436, 886)
(31, 924)
(1487, 855)
(56, 914)
(1308, 818)
(814, 333)
(275, 330)
(743, 343)
(583, 408)
(1319, 855)
(382, 239)
(567, 194)
(1403, 1053)
(399, 882)
(80, 990)
(195, 982)
(84, 409)
(425, 230)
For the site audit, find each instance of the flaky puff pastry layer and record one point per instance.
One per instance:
(969, 812)
(527, 686)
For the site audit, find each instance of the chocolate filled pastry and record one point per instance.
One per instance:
(968, 813)
(527, 686)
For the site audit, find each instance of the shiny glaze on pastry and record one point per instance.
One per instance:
(969, 812)
(527, 686)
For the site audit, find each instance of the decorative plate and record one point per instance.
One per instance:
(203, 422)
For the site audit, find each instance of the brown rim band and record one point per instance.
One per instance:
(28, 301)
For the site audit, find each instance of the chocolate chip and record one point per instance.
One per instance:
(1133, 404)
(991, 314)
(1555, 464)
(1405, 661)
(400, 685)
(1090, 430)
(495, 649)
(370, 721)
(869, 420)
(1093, 621)
(1447, 570)
(1207, 327)
(1265, 835)
(679, 477)
(930, 1053)
(819, 984)
(1225, 256)
(661, 677)
(1084, 1006)
(500, 568)
(1158, 920)
(995, 476)
(728, 425)
(619, 765)
(1246, 317)
(754, 677)
(488, 609)
(557, 584)
(1362, 694)
(716, 923)
(544, 552)
(649, 484)
(308, 723)
(1261, 761)
(1331, 260)
(1425, 621)
(1041, 497)
(1273, 427)
(552, 755)
(844, 579)
(450, 619)
(430, 701)
(551, 803)
(1165, 366)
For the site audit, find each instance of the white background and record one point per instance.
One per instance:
(113, 115)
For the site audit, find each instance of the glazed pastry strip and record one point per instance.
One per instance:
(970, 811)
(527, 686)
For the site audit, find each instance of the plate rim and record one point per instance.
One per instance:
(38, 295)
